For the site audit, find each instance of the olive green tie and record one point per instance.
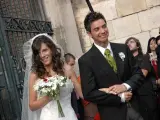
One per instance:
(110, 60)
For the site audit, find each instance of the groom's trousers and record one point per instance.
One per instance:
(132, 114)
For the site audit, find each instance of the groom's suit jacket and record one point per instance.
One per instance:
(96, 73)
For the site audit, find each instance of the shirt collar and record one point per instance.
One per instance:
(102, 49)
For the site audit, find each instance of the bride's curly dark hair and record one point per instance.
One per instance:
(37, 65)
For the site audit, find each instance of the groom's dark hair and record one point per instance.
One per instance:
(91, 17)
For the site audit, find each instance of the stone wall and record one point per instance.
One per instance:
(125, 18)
(60, 13)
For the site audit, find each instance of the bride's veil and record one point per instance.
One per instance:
(27, 114)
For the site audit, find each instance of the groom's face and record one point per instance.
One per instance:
(99, 31)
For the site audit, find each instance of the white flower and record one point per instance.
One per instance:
(54, 87)
(49, 84)
(36, 87)
(51, 87)
(56, 81)
(61, 78)
(61, 84)
(122, 55)
(44, 90)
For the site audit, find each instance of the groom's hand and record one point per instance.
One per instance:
(125, 96)
(128, 96)
(118, 88)
(106, 90)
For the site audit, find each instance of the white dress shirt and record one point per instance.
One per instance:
(102, 50)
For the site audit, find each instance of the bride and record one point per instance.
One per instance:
(43, 58)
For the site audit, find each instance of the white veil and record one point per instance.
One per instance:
(27, 114)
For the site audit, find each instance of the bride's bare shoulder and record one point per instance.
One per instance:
(33, 76)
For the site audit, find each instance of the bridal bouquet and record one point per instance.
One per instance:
(51, 87)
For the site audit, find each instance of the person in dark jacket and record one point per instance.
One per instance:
(146, 94)
(108, 67)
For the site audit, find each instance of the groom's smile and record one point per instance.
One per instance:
(99, 31)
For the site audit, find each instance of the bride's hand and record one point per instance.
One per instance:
(106, 90)
(48, 98)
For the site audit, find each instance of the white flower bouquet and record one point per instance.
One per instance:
(51, 87)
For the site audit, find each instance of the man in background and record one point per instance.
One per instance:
(146, 95)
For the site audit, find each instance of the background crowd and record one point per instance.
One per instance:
(149, 93)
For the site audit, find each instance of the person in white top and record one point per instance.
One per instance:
(43, 59)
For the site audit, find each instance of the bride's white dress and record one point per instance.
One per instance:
(50, 111)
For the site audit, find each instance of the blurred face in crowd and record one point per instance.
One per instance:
(153, 45)
(71, 62)
(132, 45)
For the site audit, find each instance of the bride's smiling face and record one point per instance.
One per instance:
(45, 54)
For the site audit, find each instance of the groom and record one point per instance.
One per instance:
(110, 66)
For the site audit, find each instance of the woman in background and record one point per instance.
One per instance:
(153, 74)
